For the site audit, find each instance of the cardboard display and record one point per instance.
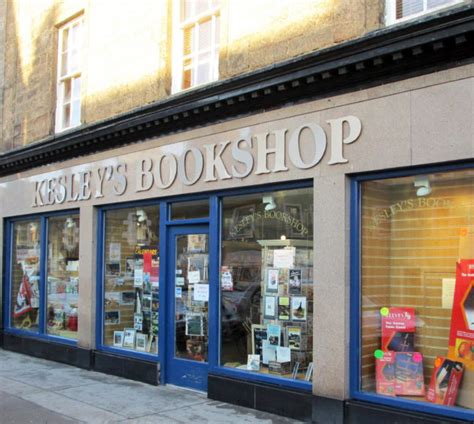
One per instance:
(461, 339)
(445, 381)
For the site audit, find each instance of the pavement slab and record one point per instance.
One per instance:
(19, 411)
(37, 391)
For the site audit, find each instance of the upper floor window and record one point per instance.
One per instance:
(70, 41)
(196, 40)
(402, 10)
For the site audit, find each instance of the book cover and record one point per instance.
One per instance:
(274, 334)
(294, 338)
(283, 308)
(272, 281)
(461, 337)
(385, 374)
(409, 374)
(299, 309)
(445, 381)
(270, 307)
(294, 282)
(398, 329)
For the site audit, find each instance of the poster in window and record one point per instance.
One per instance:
(194, 324)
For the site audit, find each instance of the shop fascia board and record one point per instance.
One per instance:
(383, 56)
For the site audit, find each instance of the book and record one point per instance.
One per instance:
(269, 352)
(398, 329)
(272, 280)
(253, 362)
(270, 307)
(283, 308)
(385, 374)
(409, 379)
(294, 338)
(259, 334)
(298, 308)
(275, 367)
(294, 281)
(274, 334)
(445, 381)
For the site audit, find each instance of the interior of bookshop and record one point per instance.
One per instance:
(131, 279)
(417, 282)
(267, 283)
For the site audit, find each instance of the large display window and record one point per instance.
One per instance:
(44, 275)
(266, 283)
(417, 290)
(131, 269)
(25, 275)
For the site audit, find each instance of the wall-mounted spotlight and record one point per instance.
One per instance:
(422, 182)
(270, 203)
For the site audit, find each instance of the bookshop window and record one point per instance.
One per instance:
(63, 276)
(25, 275)
(131, 279)
(417, 282)
(266, 282)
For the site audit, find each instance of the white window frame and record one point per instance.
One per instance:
(70, 76)
(179, 26)
(391, 11)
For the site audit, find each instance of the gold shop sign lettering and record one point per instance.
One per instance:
(162, 168)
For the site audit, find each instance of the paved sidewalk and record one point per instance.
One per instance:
(37, 391)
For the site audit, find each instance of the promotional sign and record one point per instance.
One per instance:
(461, 340)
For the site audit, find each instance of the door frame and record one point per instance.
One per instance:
(181, 371)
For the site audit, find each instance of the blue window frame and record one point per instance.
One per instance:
(163, 226)
(413, 178)
(37, 224)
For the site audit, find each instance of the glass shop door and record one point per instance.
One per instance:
(188, 306)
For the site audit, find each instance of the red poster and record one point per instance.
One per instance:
(398, 329)
(147, 261)
(461, 339)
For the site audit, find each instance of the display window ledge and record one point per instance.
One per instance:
(40, 336)
(414, 405)
(129, 353)
(261, 378)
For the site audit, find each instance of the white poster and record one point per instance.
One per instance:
(114, 252)
(447, 293)
(138, 277)
(194, 277)
(284, 258)
(201, 292)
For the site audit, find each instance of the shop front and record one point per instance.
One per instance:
(313, 261)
